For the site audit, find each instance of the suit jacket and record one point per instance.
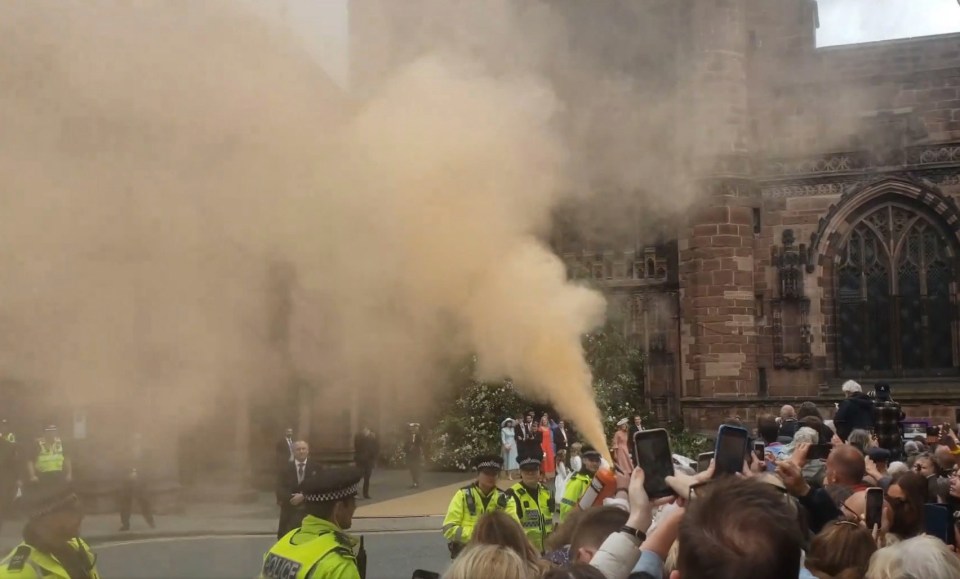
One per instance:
(283, 452)
(366, 449)
(413, 448)
(529, 442)
(789, 428)
(287, 484)
(561, 438)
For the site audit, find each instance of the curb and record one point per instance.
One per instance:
(394, 517)
(134, 536)
(142, 536)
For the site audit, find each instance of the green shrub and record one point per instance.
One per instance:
(470, 423)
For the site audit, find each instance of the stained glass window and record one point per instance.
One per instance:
(894, 309)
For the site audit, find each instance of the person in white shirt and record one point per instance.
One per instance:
(289, 494)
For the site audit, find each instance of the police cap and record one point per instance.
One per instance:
(590, 453)
(488, 462)
(44, 500)
(530, 463)
(335, 484)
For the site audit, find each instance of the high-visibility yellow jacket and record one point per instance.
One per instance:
(319, 549)
(535, 511)
(26, 562)
(466, 508)
(576, 486)
(50, 457)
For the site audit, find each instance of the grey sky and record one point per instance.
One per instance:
(851, 21)
(322, 24)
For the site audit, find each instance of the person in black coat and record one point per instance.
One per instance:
(529, 439)
(134, 484)
(366, 449)
(297, 475)
(789, 425)
(856, 411)
(561, 436)
(284, 450)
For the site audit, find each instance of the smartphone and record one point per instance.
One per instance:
(703, 461)
(421, 574)
(731, 450)
(759, 449)
(819, 451)
(654, 457)
(874, 514)
(937, 522)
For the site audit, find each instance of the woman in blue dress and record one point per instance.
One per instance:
(508, 445)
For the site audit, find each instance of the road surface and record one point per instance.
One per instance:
(390, 556)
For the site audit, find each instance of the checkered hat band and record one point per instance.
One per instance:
(529, 462)
(337, 495)
(488, 464)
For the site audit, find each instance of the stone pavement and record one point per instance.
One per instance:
(394, 507)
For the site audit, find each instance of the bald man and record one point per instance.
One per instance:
(845, 471)
(788, 422)
(299, 473)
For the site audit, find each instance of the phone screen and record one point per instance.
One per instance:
(759, 447)
(819, 451)
(421, 574)
(874, 513)
(936, 522)
(656, 460)
(703, 461)
(731, 450)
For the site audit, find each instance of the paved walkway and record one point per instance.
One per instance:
(394, 507)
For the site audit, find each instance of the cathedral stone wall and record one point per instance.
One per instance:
(794, 149)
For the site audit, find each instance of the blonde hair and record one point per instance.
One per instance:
(670, 563)
(500, 529)
(575, 449)
(486, 561)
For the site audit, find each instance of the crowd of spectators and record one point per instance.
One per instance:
(785, 515)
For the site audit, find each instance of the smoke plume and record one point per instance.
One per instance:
(163, 160)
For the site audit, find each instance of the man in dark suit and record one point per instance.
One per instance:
(530, 439)
(561, 438)
(302, 471)
(134, 484)
(284, 450)
(366, 449)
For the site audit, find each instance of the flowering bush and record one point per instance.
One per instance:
(471, 423)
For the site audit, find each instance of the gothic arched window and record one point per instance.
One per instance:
(894, 307)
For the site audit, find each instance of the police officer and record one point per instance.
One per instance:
(50, 464)
(579, 482)
(319, 549)
(533, 502)
(51, 547)
(475, 500)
